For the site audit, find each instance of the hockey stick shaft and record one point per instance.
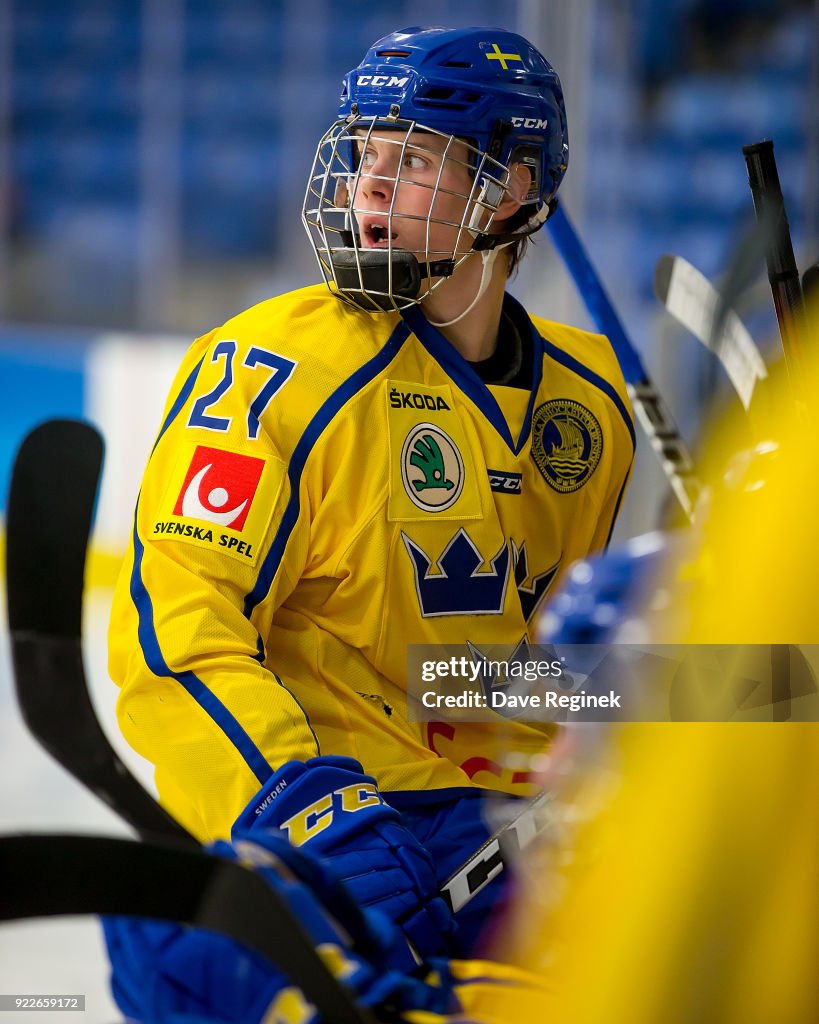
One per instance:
(652, 411)
(46, 645)
(51, 502)
(783, 275)
(810, 283)
(499, 851)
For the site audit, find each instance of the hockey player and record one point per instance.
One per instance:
(401, 455)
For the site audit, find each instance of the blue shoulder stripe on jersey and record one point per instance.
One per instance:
(466, 377)
(599, 382)
(155, 661)
(149, 642)
(261, 654)
(180, 400)
(301, 708)
(322, 419)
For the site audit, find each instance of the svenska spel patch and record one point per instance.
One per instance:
(220, 499)
(219, 487)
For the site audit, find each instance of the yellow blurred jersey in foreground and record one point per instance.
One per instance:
(693, 895)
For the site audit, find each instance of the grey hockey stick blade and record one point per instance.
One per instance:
(50, 507)
(744, 266)
(694, 302)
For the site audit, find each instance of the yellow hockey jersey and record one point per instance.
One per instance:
(326, 488)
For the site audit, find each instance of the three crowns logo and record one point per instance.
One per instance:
(458, 588)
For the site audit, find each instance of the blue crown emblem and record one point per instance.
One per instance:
(500, 683)
(458, 588)
(531, 593)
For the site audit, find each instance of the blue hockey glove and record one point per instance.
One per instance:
(604, 598)
(330, 809)
(168, 974)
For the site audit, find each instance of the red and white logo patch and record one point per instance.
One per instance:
(219, 487)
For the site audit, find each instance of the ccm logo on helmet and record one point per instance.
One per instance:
(390, 81)
(527, 122)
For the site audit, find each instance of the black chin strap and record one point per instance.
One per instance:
(435, 268)
(438, 268)
(374, 278)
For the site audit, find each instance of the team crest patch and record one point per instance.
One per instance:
(432, 468)
(567, 443)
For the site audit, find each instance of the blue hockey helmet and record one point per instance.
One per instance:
(487, 87)
(483, 84)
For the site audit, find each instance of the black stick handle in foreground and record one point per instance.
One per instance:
(783, 275)
(810, 297)
(51, 875)
(50, 508)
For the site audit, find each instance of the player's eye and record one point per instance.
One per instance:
(414, 162)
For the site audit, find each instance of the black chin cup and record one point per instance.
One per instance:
(377, 279)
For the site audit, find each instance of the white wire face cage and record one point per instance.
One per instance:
(357, 236)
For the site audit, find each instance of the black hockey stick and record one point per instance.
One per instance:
(810, 295)
(783, 275)
(51, 501)
(810, 282)
(696, 304)
(786, 288)
(59, 463)
(654, 415)
(52, 875)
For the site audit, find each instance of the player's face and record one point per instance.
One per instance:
(424, 181)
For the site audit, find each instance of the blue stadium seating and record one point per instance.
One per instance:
(243, 67)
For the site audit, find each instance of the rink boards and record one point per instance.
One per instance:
(118, 381)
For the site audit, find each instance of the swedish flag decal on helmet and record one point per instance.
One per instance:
(485, 84)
